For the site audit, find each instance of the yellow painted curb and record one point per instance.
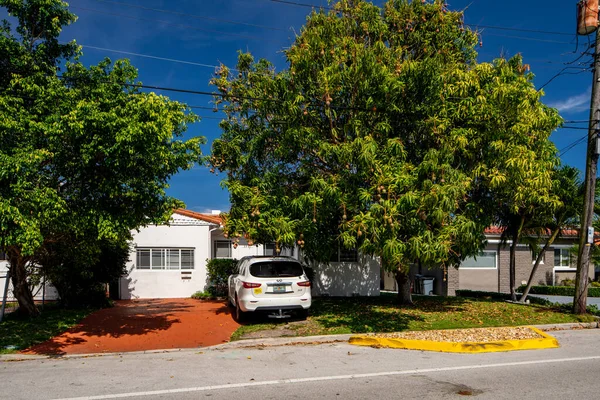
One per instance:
(546, 342)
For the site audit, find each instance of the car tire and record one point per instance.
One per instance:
(238, 315)
(303, 314)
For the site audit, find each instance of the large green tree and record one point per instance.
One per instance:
(82, 150)
(383, 134)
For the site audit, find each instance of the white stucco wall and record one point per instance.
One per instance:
(243, 249)
(184, 232)
(50, 292)
(347, 279)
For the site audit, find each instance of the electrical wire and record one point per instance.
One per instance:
(159, 10)
(504, 28)
(293, 3)
(173, 24)
(561, 72)
(570, 146)
(152, 57)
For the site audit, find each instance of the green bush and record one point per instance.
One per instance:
(204, 295)
(218, 271)
(560, 290)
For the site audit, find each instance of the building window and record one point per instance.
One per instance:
(222, 249)
(269, 250)
(3, 256)
(562, 258)
(534, 255)
(344, 255)
(484, 260)
(158, 259)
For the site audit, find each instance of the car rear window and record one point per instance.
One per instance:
(275, 269)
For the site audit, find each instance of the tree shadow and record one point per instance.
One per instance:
(127, 318)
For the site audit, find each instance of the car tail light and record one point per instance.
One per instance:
(304, 284)
(250, 285)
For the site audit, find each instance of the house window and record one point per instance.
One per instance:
(534, 255)
(222, 249)
(157, 259)
(269, 250)
(484, 260)
(562, 258)
(344, 255)
(3, 256)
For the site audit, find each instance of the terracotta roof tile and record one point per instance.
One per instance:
(213, 219)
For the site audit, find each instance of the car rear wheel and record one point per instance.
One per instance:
(239, 315)
(303, 314)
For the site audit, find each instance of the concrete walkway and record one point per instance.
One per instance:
(566, 299)
(139, 325)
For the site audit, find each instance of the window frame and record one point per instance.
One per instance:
(230, 247)
(338, 255)
(164, 254)
(563, 267)
(534, 257)
(283, 250)
(495, 267)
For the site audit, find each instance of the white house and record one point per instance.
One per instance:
(39, 293)
(169, 261)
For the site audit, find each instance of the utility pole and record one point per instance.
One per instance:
(586, 234)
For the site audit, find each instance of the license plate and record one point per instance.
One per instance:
(279, 289)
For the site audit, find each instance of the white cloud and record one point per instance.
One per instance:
(578, 103)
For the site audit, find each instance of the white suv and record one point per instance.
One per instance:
(274, 284)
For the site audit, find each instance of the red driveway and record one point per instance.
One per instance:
(134, 325)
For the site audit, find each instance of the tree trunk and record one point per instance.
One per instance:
(404, 293)
(538, 260)
(513, 261)
(21, 291)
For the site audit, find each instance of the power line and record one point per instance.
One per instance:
(574, 127)
(226, 21)
(526, 38)
(173, 24)
(505, 28)
(293, 3)
(570, 146)
(561, 72)
(152, 57)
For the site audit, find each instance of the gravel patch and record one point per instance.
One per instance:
(480, 335)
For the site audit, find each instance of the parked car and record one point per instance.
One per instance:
(273, 284)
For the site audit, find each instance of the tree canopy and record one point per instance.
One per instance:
(383, 133)
(84, 153)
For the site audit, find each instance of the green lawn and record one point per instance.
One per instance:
(380, 314)
(24, 332)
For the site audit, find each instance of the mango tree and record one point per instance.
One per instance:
(382, 135)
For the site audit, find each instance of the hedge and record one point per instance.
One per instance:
(218, 271)
(497, 296)
(559, 290)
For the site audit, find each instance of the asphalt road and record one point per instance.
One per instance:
(331, 371)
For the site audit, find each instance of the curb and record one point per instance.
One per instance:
(568, 326)
(265, 342)
(287, 341)
(546, 342)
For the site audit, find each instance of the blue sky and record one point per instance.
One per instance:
(115, 25)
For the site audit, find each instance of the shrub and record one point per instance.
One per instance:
(218, 271)
(560, 290)
(204, 295)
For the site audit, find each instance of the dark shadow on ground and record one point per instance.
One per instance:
(126, 318)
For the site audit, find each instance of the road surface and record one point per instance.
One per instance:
(329, 371)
